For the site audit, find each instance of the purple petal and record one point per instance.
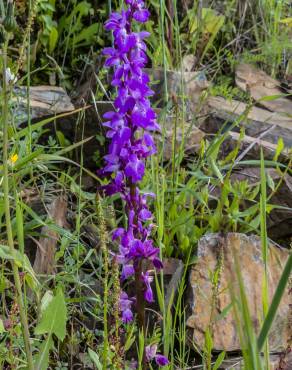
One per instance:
(157, 263)
(128, 270)
(135, 169)
(127, 316)
(161, 360)
(141, 15)
(148, 295)
(118, 233)
(150, 351)
(145, 214)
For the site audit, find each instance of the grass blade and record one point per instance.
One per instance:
(275, 303)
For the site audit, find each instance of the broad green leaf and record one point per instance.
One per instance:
(21, 261)
(95, 358)
(87, 35)
(54, 317)
(53, 39)
(219, 361)
(42, 359)
(46, 299)
(130, 338)
(2, 329)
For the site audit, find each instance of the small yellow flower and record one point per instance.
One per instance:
(14, 158)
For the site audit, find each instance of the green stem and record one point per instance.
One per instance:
(103, 243)
(2, 9)
(5, 117)
(28, 83)
(140, 307)
(139, 286)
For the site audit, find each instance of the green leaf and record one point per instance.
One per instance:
(54, 317)
(95, 358)
(272, 97)
(287, 21)
(2, 329)
(216, 170)
(54, 35)
(87, 35)
(130, 338)
(47, 298)
(224, 312)
(219, 361)
(280, 148)
(42, 359)
(270, 317)
(20, 260)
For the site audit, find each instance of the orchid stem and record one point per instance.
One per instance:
(140, 306)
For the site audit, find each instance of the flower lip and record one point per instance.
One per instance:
(161, 360)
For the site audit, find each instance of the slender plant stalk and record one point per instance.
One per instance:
(5, 118)
(139, 287)
(2, 9)
(30, 20)
(118, 359)
(140, 298)
(265, 251)
(275, 303)
(162, 13)
(28, 82)
(103, 243)
(165, 66)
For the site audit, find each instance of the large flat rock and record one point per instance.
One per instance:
(261, 86)
(43, 100)
(255, 120)
(248, 250)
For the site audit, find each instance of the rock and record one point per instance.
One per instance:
(261, 85)
(252, 147)
(173, 270)
(248, 249)
(255, 120)
(44, 101)
(188, 62)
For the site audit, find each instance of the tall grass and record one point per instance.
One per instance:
(7, 206)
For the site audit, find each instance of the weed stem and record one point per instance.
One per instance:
(5, 117)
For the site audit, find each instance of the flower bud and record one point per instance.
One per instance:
(9, 22)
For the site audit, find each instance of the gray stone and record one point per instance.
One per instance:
(248, 251)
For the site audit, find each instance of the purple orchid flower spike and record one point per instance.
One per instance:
(130, 128)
